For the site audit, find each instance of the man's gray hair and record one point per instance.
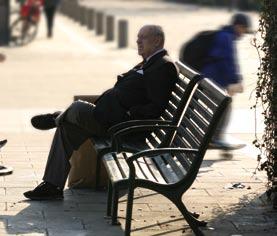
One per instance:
(157, 30)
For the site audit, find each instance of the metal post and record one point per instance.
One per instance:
(99, 23)
(91, 21)
(109, 28)
(4, 22)
(122, 33)
(83, 15)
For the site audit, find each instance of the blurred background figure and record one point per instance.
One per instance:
(213, 53)
(4, 170)
(50, 7)
(223, 68)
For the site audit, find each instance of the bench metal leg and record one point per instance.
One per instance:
(129, 210)
(98, 171)
(109, 202)
(115, 207)
(192, 221)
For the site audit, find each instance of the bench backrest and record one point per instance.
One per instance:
(198, 124)
(184, 86)
(186, 82)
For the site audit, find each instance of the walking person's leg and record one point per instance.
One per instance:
(49, 14)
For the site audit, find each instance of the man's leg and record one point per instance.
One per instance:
(67, 138)
(75, 125)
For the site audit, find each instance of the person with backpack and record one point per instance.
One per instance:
(50, 7)
(222, 67)
(213, 53)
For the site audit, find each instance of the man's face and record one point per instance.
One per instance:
(147, 42)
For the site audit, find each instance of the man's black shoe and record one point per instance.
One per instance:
(45, 191)
(45, 121)
(4, 170)
(3, 142)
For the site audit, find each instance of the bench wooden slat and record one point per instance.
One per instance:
(167, 115)
(207, 91)
(185, 161)
(205, 100)
(155, 171)
(179, 91)
(199, 120)
(200, 109)
(122, 165)
(144, 166)
(179, 141)
(160, 134)
(112, 167)
(175, 100)
(195, 131)
(153, 140)
(190, 138)
(165, 170)
(139, 172)
(175, 165)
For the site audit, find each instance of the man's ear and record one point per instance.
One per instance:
(158, 42)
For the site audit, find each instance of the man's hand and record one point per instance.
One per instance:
(2, 57)
(232, 89)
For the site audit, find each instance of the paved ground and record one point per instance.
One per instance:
(46, 74)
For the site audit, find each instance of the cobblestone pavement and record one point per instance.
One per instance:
(45, 75)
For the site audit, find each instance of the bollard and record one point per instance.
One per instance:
(4, 22)
(122, 33)
(109, 28)
(99, 23)
(83, 15)
(78, 13)
(87, 17)
(91, 16)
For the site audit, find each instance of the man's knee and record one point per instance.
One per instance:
(73, 112)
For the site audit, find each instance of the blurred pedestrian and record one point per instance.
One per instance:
(3, 169)
(50, 7)
(223, 68)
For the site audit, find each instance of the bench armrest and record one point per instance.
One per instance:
(158, 151)
(126, 124)
(150, 153)
(116, 136)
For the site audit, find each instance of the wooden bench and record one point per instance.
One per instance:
(170, 170)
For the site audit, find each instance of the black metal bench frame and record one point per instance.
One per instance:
(183, 156)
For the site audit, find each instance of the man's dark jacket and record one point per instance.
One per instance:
(142, 95)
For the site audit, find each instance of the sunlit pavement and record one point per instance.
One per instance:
(45, 75)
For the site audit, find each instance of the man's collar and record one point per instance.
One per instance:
(148, 58)
(145, 63)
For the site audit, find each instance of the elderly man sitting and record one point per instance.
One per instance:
(141, 93)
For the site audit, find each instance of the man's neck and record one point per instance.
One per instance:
(159, 50)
